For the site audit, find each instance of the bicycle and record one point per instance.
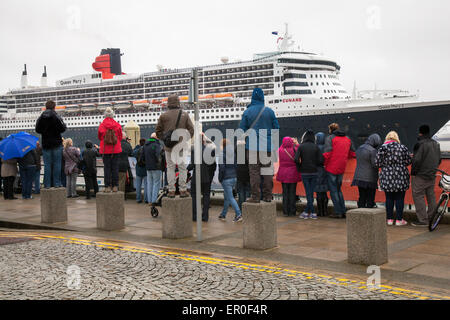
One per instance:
(439, 212)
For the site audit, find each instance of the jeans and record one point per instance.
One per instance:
(122, 181)
(37, 181)
(289, 198)
(111, 170)
(397, 198)
(138, 185)
(309, 181)
(227, 186)
(366, 197)
(153, 185)
(72, 184)
(178, 160)
(91, 183)
(334, 185)
(243, 190)
(256, 175)
(8, 187)
(27, 175)
(422, 188)
(206, 193)
(52, 167)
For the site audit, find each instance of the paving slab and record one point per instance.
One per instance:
(415, 255)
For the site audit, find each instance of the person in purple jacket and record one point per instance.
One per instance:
(288, 175)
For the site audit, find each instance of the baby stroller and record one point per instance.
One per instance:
(165, 191)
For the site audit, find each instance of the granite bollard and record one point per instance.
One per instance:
(53, 205)
(177, 218)
(259, 225)
(110, 211)
(367, 236)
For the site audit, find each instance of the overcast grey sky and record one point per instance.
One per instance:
(396, 44)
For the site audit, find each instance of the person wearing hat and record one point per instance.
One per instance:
(426, 159)
(110, 136)
(166, 123)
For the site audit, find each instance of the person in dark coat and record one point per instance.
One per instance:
(37, 175)
(393, 158)
(27, 168)
(366, 172)
(50, 125)
(89, 156)
(426, 159)
(154, 158)
(309, 158)
(227, 177)
(141, 172)
(124, 164)
(205, 176)
(322, 181)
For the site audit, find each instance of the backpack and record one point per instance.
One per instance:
(167, 136)
(110, 137)
(140, 157)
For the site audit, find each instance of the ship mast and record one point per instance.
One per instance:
(286, 41)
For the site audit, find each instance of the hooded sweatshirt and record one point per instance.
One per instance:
(366, 170)
(287, 171)
(50, 125)
(262, 127)
(308, 156)
(110, 123)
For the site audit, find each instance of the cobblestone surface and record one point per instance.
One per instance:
(39, 270)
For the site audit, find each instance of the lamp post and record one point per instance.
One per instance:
(193, 100)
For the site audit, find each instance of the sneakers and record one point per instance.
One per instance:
(390, 222)
(313, 216)
(222, 218)
(184, 194)
(238, 219)
(115, 189)
(304, 215)
(419, 224)
(401, 223)
(171, 194)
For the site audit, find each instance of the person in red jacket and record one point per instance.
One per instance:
(338, 149)
(110, 136)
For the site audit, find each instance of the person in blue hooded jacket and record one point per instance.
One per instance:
(262, 120)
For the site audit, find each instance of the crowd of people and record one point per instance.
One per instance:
(318, 161)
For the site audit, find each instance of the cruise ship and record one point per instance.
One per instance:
(303, 89)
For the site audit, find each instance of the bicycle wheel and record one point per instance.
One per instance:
(437, 215)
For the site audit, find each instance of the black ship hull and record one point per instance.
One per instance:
(357, 125)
